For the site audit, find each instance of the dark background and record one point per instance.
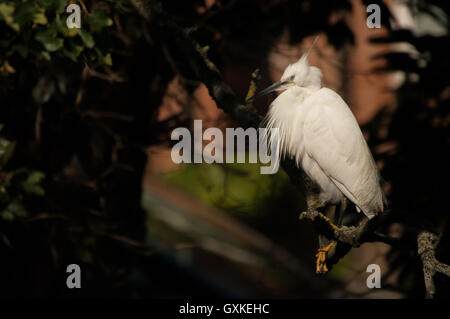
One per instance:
(86, 175)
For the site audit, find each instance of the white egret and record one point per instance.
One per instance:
(319, 131)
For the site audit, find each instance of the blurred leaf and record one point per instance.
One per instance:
(105, 59)
(40, 17)
(21, 49)
(73, 53)
(98, 19)
(25, 13)
(58, 5)
(35, 177)
(6, 10)
(6, 14)
(85, 255)
(43, 90)
(14, 209)
(33, 189)
(45, 55)
(8, 67)
(87, 38)
(235, 186)
(7, 154)
(50, 42)
(60, 26)
(62, 84)
(7, 215)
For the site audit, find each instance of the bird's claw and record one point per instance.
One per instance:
(321, 257)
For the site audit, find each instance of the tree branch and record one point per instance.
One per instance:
(347, 237)
(350, 235)
(426, 248)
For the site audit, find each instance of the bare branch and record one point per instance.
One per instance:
(426, 248)
(350, 235)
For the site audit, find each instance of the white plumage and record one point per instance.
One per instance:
(318, 130)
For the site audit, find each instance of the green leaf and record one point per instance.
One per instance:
(60, 26)
(40, 17)
(25, 13)
(6, 10)
(7, 154)
(50, 42)
(7, 215)
(7, 67)
(16, 209)
(45, 55)
(74, 52)
(21, 49)
(6, 14)
(98, 19)
(105, 59)
(35, 177)
(58, 5)
(33, 189)
(87, 38)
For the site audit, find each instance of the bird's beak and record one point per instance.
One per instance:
(267, 90)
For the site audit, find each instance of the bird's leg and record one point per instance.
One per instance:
(339, 217)
(329, 216)
(325, 244)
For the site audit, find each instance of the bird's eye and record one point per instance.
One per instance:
(291, 78)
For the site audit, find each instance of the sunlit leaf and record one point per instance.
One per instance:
(8, 67)
(40, 17)
(104, 58)
(6, 14)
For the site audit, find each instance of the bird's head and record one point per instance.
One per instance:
(299, 73)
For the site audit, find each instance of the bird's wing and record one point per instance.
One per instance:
(334, 140)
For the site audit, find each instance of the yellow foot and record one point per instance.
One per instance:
(321, 257)
(329, 222)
